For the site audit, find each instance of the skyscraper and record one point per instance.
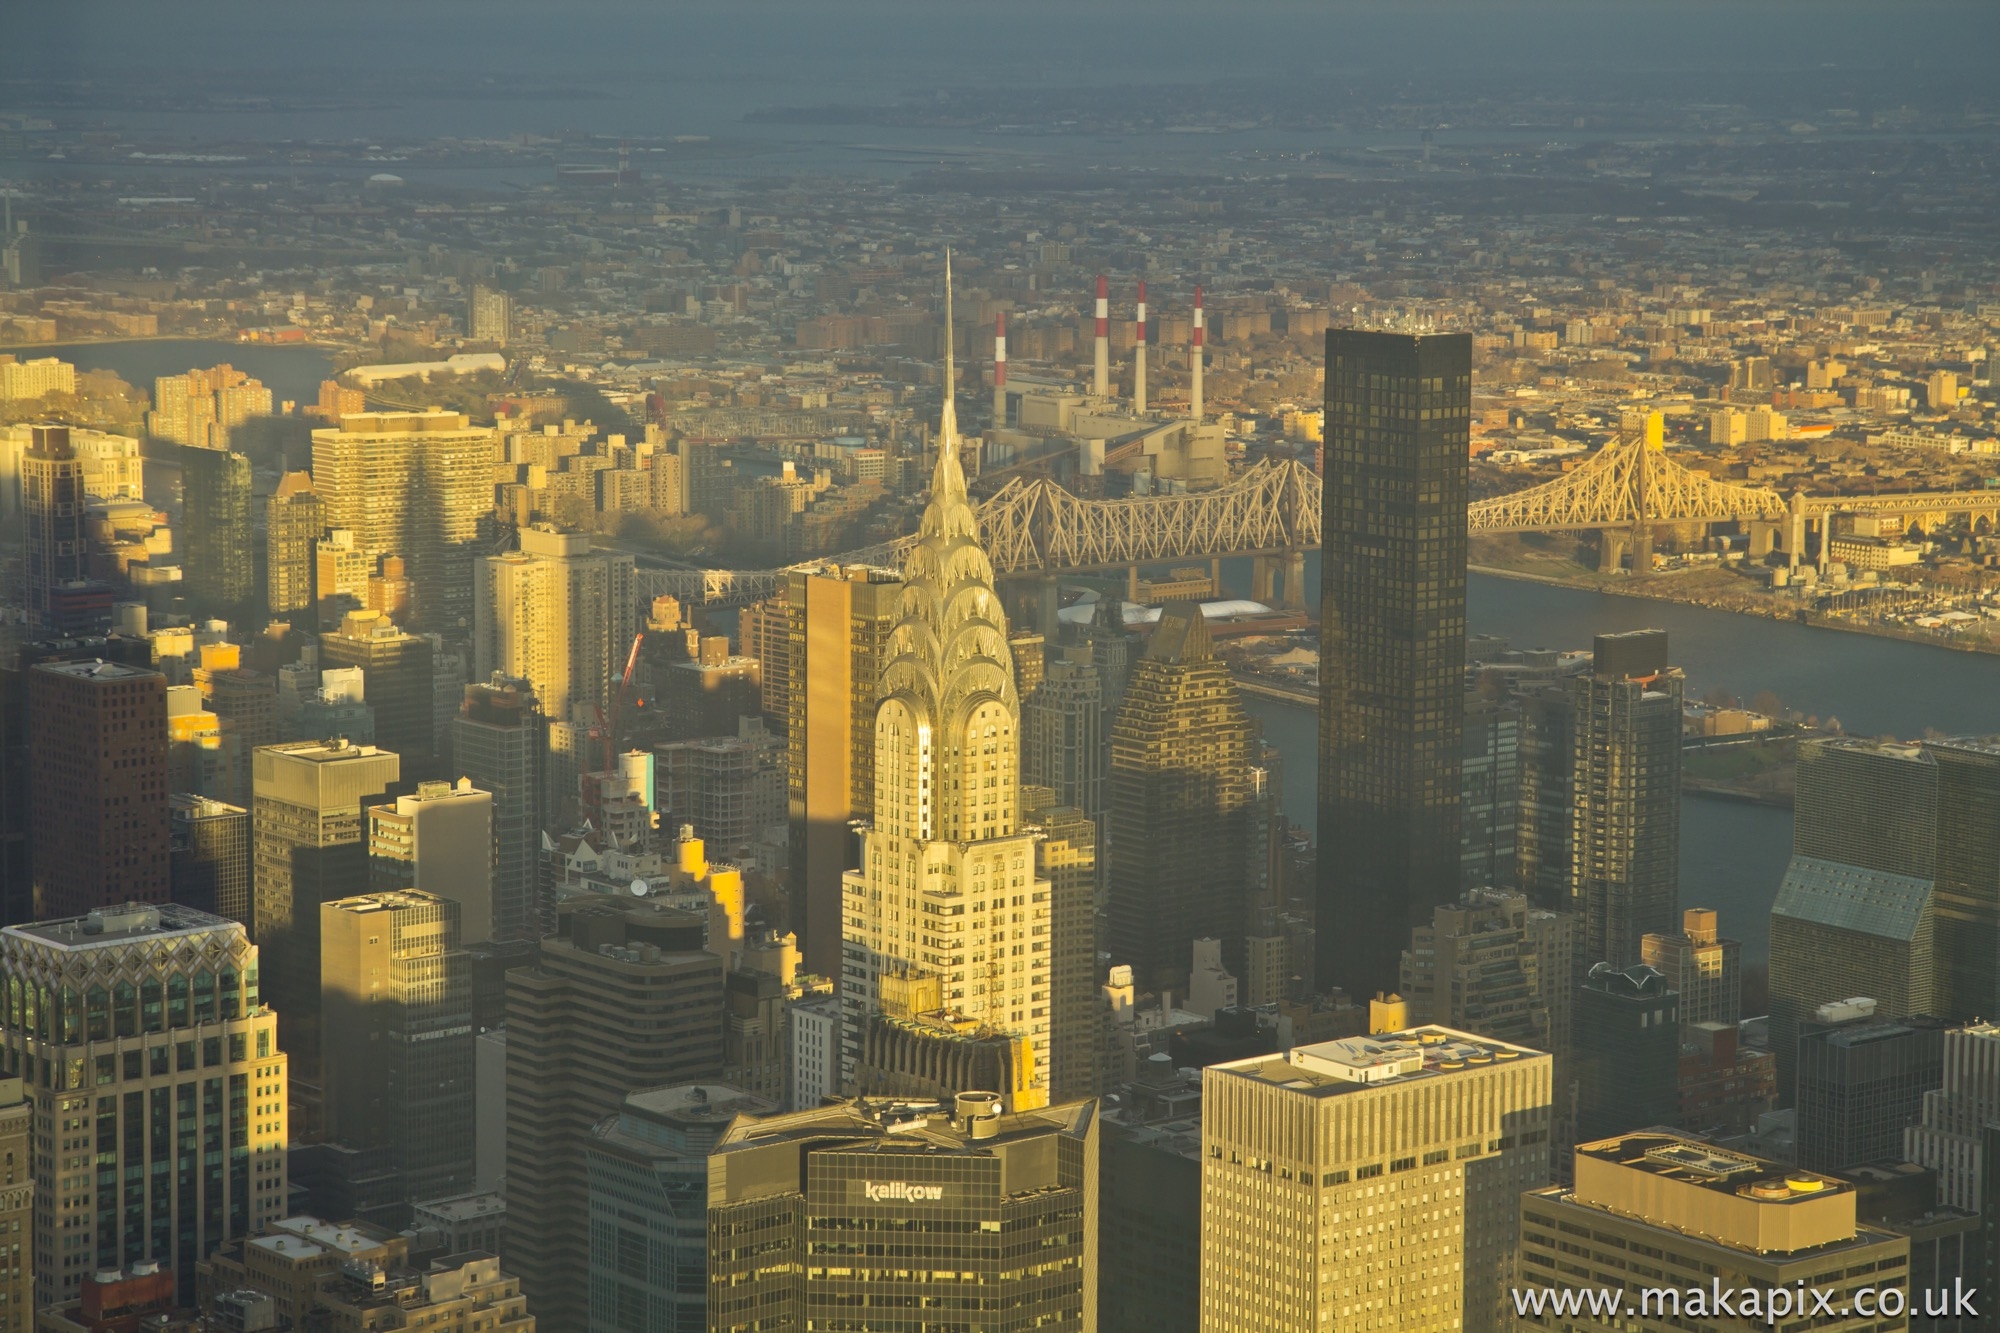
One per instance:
(309, 846)
(496, 740)
(219, 567)
(211, 856)
(1368, 1183)
(952, 1183)
(1628, 1038)
(576, 1048)
(146, 1023)
(1066, 856)
(396, 1011)
(1546, 765)
(731, 788)
(55, 548)
(946, 840)
(1625, 795)
(295, 519)
(396, 669)
(1392, 644)
(644, 1168)
(489, 316)
(98, 747)
(1743, 1223)
(1856, 912)
(439, 839)
(1861, 1084)
(1490, 793)
(17, 768)
(558, 615)
(1963, 1096)
(1704, 968)
(838, 624)
(414, 484)
(17, 1204)
(1063, 744)
(1494, 964)
(1967, 895)
(1179, 791)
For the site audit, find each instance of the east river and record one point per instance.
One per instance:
(1732, 855)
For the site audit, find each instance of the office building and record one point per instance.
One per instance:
(711, 693)
(17, 1206)
(1545, 773)
(838, 623)
(489, 316)
(439, 839)
(396, 669)
(1956, 1104)
(142, 1033)
(1728, 1221)
(731, 788)
(621, 997)
(219, 567)
(417, 485)
(55, 547)
(308, 847)
(340, 577)
(1625, 795)
(1856, 912)
(1149, 1203)
(557, 615)
(1860, 1085)
(294, 520)
(244, 703)
(98, 755)
(1063, 741)
(496, 740)
(1705, 969)
(209, 861)
(1368, 1183)
(1066, 856)
(645, 1168)
(815, 1041)
(1966, 951)
(1495, 965)
(946, 840)
(1628, 1041)
(1180, 788)
(396, 1058)
(970, 1188)
(1490, 793)
(17, 767)
(1392, 647)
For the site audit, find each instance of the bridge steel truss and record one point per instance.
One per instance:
(1034, 528)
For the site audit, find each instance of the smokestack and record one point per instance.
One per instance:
(1139, 354)
(1200, 334)
(1000, 369)
(1103, 337)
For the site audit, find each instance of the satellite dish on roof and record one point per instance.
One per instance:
(640, 888)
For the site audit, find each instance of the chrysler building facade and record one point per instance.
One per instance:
(946, 927)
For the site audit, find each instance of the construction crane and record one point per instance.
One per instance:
(618, 697)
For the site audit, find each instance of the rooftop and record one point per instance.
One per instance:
(97, 669)
(119, 925)
(1332, 1068)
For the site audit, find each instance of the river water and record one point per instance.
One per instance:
(1732, 855)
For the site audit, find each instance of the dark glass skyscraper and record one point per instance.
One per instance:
(217, 551)
(1392, 645)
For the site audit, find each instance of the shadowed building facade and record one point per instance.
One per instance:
(1392, 645)
(1180, 791)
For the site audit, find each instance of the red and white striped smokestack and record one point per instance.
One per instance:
(1139, 353)
(1200, 336)
(1000, 369)
(1103, 336)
